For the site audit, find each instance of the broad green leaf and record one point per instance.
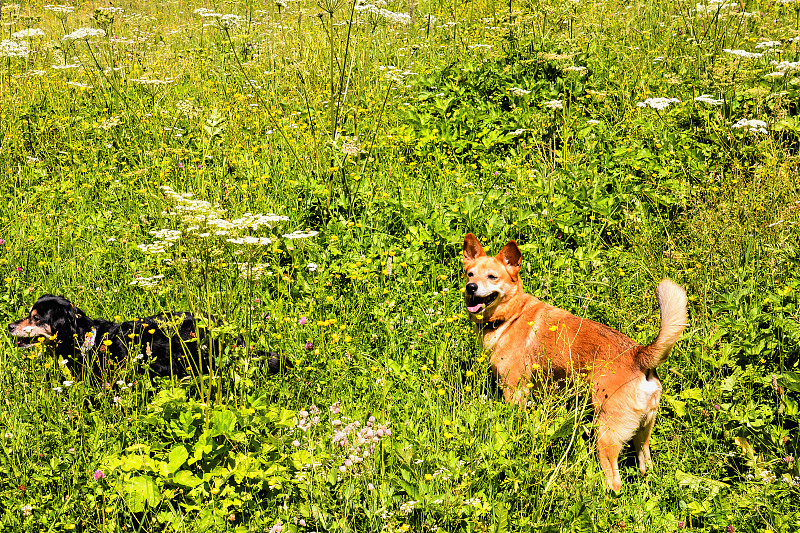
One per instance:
(141, 490)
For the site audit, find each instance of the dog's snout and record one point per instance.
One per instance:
(472, 288)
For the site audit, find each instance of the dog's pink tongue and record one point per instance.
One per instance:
(475, 308)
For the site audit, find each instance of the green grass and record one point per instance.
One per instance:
(392, 141)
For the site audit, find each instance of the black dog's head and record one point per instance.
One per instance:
(53, 320)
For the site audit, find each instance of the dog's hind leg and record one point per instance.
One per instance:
(641, 442)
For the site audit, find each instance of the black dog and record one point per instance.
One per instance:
(174, 343)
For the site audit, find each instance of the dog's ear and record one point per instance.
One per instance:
(472, 248)
(511, 257)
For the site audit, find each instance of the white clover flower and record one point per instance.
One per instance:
(658, 103)
(752, 126)
(708, 99)
(554, 104)
(743, 53)
(30, 32)
(9, 48)
(84, 34)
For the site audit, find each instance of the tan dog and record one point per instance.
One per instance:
(525, 335)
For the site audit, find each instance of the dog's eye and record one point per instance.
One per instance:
(492, 277)
(470, 275)
(36, 318)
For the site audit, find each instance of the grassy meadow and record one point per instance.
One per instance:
(306, 170)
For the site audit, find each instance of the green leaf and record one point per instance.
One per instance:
(678, 406)
(141, 490)
(186, 479)
(177, 456)
(692, 394)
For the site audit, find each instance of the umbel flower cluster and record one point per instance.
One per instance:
(202, 222)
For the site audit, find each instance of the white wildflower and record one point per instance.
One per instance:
(9, 48)
(230, 21)
(59, 9)
(362, 6)
(575, 68)
(30, 32)
(708, 99)
(300, 235)
(84, 34)
(768, 44)
(518, 91)
(658, 103)
(786, 65)
(312, 267)
(752, 126)
(166, 234)
(146, 282)
(261, 241)
(743, 53)
(554, 104)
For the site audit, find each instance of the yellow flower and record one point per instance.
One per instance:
(107, 342)
(151, 331)
(553, 327)
(428, 477)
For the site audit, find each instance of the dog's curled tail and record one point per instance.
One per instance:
(672, 300)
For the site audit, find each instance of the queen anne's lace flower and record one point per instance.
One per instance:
(84, 34)
(709, 100)
(743, 53)
(30, 32)
(9, 48)
(658, 103)
(752, 126)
